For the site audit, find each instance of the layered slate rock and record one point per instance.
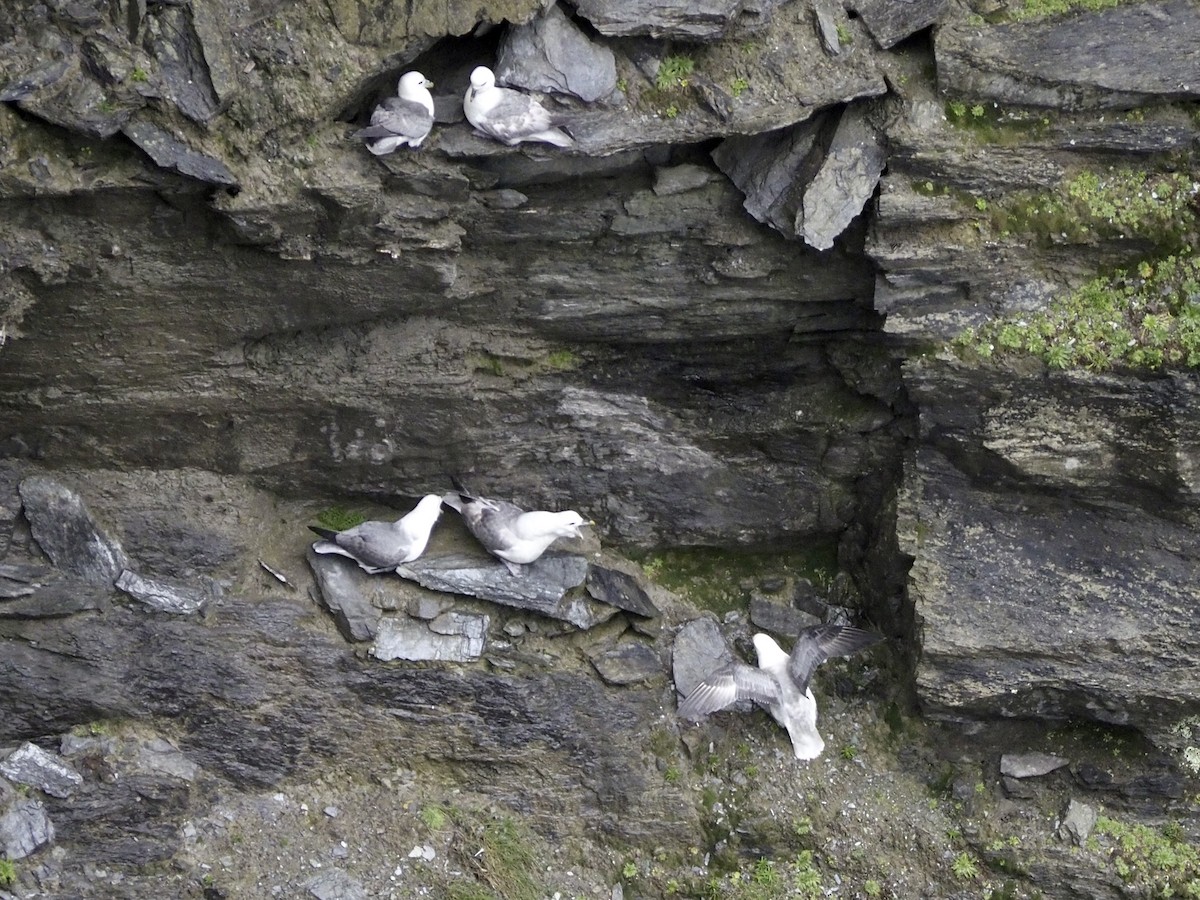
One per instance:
(683, 19)
(68, 534)
(890, 22)
(1126, 56)
(449, 637)
(30, 765)
(1069, 593)
(552, 55)
(545, 586)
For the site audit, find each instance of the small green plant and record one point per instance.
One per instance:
(844, 35)
(629, 870)
(764, 872)
(956, 110)
(562, 360)
(8, 872)
(623, 85)
(805, 876)
(1155, 863)
(434, 817)
(338, 518)
(872, 888)
(674, 72)
(1041, 9)
(507, 862)
(848, 752)
(671, 111)
(739, 86)
(981, 204)
(964, 867)
(672, 775)
(138, 75)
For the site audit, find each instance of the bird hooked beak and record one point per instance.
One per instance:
(428, 83)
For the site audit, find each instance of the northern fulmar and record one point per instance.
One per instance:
(509, 116)
(381, 546)
(514, 536)
(406, 119)
(781, 682)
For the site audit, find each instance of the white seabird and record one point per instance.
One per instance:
(512, 535)
(381, 546)
(406, 119)
(507, 115)
(781, 682)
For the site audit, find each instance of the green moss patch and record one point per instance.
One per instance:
(720, 580)
(1158, 863)
(1148, 318)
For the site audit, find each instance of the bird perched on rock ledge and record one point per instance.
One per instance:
(406, 119)
(512, 535)
(381, 546)
(781, 682)
(509, 116)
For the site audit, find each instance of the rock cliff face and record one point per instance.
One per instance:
(719, 320)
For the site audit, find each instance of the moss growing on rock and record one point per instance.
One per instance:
(720, 580)
(1158, 863)
(1143, 319)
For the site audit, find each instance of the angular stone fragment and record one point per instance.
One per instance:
(891, 21)
(630, 662)
(339, 583)
(161, 756)
(551, 54)
(696, 20)
(766, 168)
(30, 764)
(541, 587)
(335, 885)
(779, 617)
(1030, 765)
(845, 180)
(24, 827)
(619, 589)
(162, 595)
(66, 532)
(1077, 822)
(451, 637)
(168, 152)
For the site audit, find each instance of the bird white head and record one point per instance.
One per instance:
(412, 83)
(770, 654)
(570, 522)
(482, 77)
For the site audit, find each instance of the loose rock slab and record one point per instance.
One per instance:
(630, 662)
(541, 587)
(166, 596)
(699, 650)
(552, 54)
(67, 533)
(24, 827)
(1030, 765)
(30, 764)
(450, 637)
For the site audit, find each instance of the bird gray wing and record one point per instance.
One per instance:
(726, 686)
(819, 643)
(395, 117)
(373, 543)
(516, 116)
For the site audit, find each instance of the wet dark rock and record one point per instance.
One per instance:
(890, 22)
(450, 637)
(168, 152)
(1113, 58)
(343, 589)
(31, 765)
(683, 19)
(164, 595)
(544, 586)
(33, 592)
(769, 169)
(551, 54)
(630, 662)
(779, 618)
(66, 532)
(24, 827)
(1030, 765)
(619, 589)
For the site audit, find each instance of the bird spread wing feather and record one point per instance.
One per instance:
(819, 643)
(726, 686)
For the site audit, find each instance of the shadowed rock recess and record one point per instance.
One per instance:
(722, 326)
